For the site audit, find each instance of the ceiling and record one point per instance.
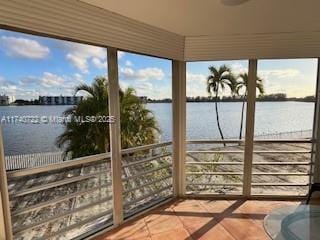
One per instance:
(212, 17)
(189, 30)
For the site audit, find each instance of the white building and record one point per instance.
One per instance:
(59, 100)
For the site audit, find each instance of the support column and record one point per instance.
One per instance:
(115, 137)
(5, 215)
(248, 151)
(179, 126)
(315, 171)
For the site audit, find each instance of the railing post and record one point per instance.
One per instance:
(315, 171)
(179, 126)
(115, 137)
(5, 216)
(248, 151)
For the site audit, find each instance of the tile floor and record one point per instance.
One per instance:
(200, 219)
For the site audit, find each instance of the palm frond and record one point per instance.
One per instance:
(138, 124)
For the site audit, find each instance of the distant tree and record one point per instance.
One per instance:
(274, 97)
(309, 98)
(219, 79)
(23, 102)
(242, 85)
(138, 125)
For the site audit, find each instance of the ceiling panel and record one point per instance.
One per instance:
(212, 17)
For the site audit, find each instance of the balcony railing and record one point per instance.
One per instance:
(212, 168)
(16, 162)
(281, 167)
(147, 177)
(72, 198)
(61, 200)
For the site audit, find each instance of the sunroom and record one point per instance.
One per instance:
(188, 186)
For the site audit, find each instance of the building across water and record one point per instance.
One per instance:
(59, 100)
(4, 100)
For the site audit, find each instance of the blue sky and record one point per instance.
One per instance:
(31, 66)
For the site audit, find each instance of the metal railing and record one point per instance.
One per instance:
(74, 197)
(15, 162)
(208, 173)
(285, 170)
(218, 169)
(147, 177)
(81, 187)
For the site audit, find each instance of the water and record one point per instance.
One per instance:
(271, 117)
(31, 138)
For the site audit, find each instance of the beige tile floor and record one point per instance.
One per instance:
(200, 219)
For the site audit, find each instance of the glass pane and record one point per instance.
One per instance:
(146, 118)
(283, 127)
(53, 96)
(216, 109)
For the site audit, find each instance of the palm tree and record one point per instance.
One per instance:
(138, 125)
(219, 78)
(83, 138)
(242, 84)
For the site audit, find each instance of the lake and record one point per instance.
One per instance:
(271, 118)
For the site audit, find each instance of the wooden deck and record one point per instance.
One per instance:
(200, 219)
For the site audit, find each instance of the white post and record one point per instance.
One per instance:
(5, 215)
(315, 171)
(179, 126)
(248, 151)
(115, 137)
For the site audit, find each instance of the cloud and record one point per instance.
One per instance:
(150, 73)
(275, 80)
(287, 80)
(196, 78)
(159, 92)
(127, 72)
(196, 85)
(150, 90)
(238, 68)
(14, 91)
(280, 73)
(98, 63)
(78, 77)
(31, 87)
(29, 80)
(64, 82)
(150, 81)
(144, 74)
(78, 62)
(80, 55)
(123, 85)
(51, 80)
(128, 63)
(145, 86)
(6, 83)
(47, 80)
(120, 54)
(24, 48)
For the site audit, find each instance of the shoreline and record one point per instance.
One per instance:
(160, 101)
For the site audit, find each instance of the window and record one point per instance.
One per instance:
(216, 110)
(50, 92)
(146, 118)
(283, 127)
